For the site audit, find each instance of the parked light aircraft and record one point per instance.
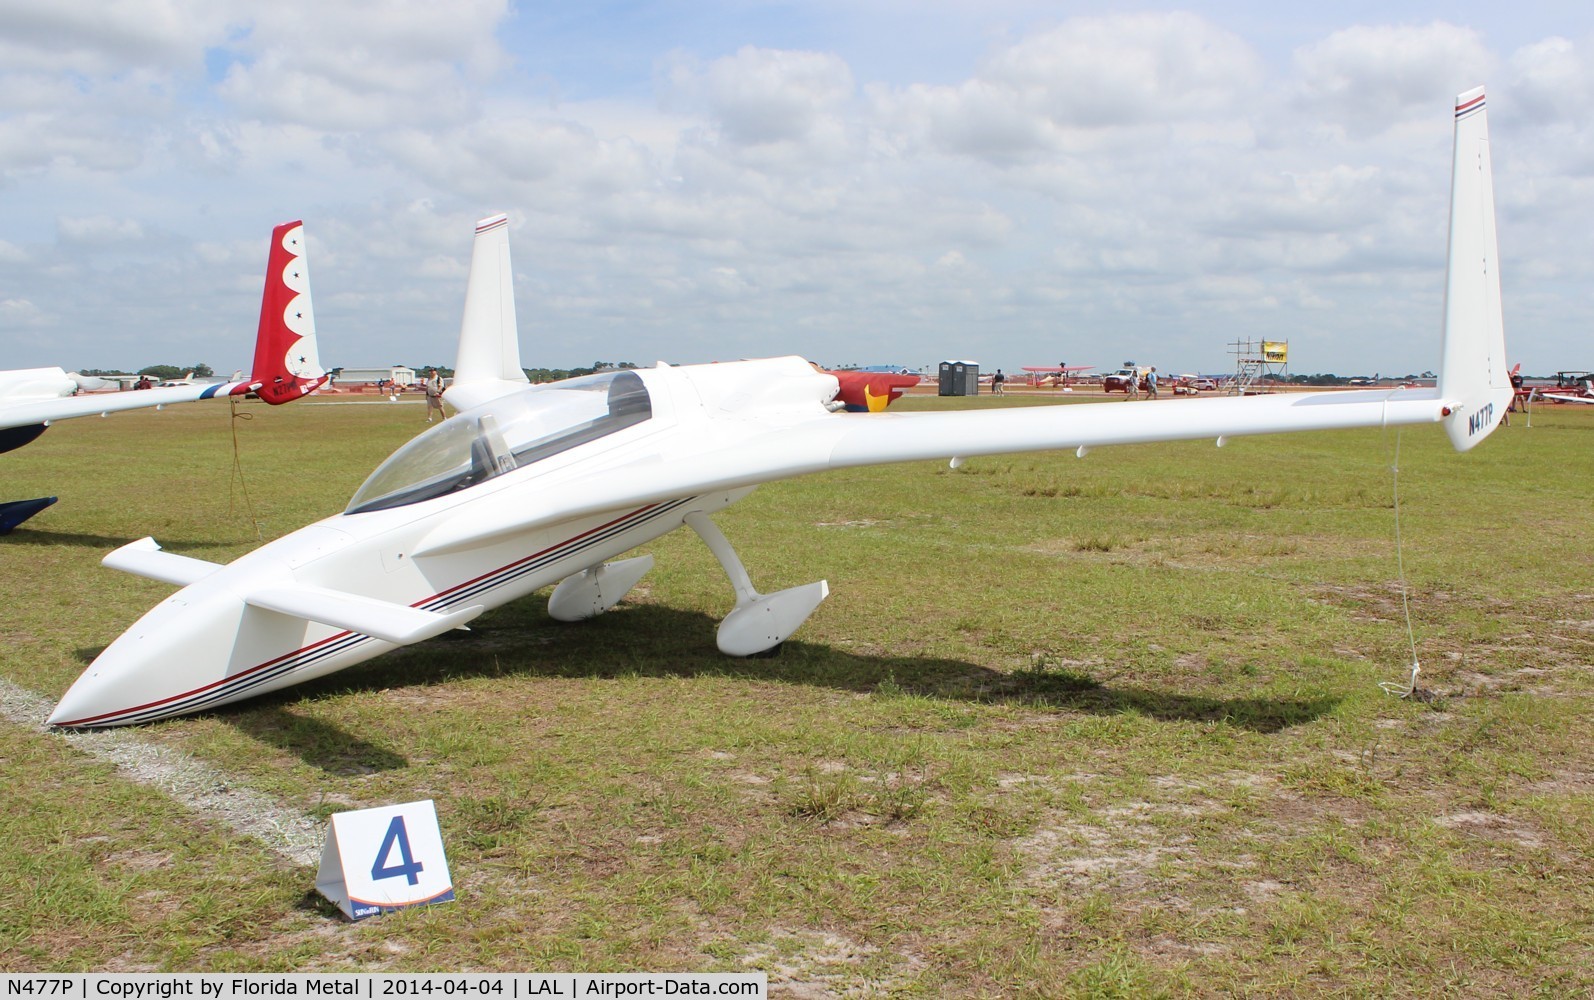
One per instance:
(188, 379)
(1584, 395)
(1570, 387)
(861, 391)
(528, 487)
(1054, 375)
(105, 383)
(286, 367)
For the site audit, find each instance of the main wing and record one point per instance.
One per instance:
(710, 453)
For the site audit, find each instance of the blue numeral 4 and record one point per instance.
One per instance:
(396, 836)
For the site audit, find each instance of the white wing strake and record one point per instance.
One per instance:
(383, 620)
(532, 486)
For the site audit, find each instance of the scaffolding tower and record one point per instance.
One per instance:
(1255, 360)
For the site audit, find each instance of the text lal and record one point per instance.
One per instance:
(600, 987)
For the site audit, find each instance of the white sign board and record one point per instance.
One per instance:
(383, 859)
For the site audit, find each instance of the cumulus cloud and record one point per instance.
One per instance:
(30, 142)
(364, 65)
(105, 37)
(1127, 70)
(1046, 93)
(1553, 82)
(762, 95)
(1149, 178)
(100, 230)
(1369, 78)
(20, 312)
(77, 71)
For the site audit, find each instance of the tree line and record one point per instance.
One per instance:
(202, 370)
(158, 372)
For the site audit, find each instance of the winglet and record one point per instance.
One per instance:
(488, 365)
(287, 364)
(1473, 374)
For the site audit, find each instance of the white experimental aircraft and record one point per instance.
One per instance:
(286, 367)
(529, 486)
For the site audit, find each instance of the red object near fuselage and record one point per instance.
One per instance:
(871, 392)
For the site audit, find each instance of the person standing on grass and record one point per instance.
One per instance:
(998, 382)
(1151, 383)
(433, 384)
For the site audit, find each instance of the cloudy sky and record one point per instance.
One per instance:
(855, 181)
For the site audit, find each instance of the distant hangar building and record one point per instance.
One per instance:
(401, 375)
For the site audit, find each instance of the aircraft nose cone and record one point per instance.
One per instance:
(79, 704)
(157, 667)
(106, 693)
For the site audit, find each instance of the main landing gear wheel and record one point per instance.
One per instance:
(759, 623)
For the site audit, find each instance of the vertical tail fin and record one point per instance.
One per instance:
(1473, 374)
(488, 365)
(287, 364)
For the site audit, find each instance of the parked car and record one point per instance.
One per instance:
(1120, 380)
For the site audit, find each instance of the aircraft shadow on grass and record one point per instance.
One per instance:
(269, 720)
(105, 543)
(330, 748)
(654, 641)
(28, 536)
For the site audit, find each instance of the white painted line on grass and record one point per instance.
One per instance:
(193, 784)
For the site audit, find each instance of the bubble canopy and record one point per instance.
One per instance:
(508, 433)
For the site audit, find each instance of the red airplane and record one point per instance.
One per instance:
(870, 392)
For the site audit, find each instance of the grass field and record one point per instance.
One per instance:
(1100, 727)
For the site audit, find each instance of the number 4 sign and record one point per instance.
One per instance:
(383, 859)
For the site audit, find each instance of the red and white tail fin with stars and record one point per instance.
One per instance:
(287, 364)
